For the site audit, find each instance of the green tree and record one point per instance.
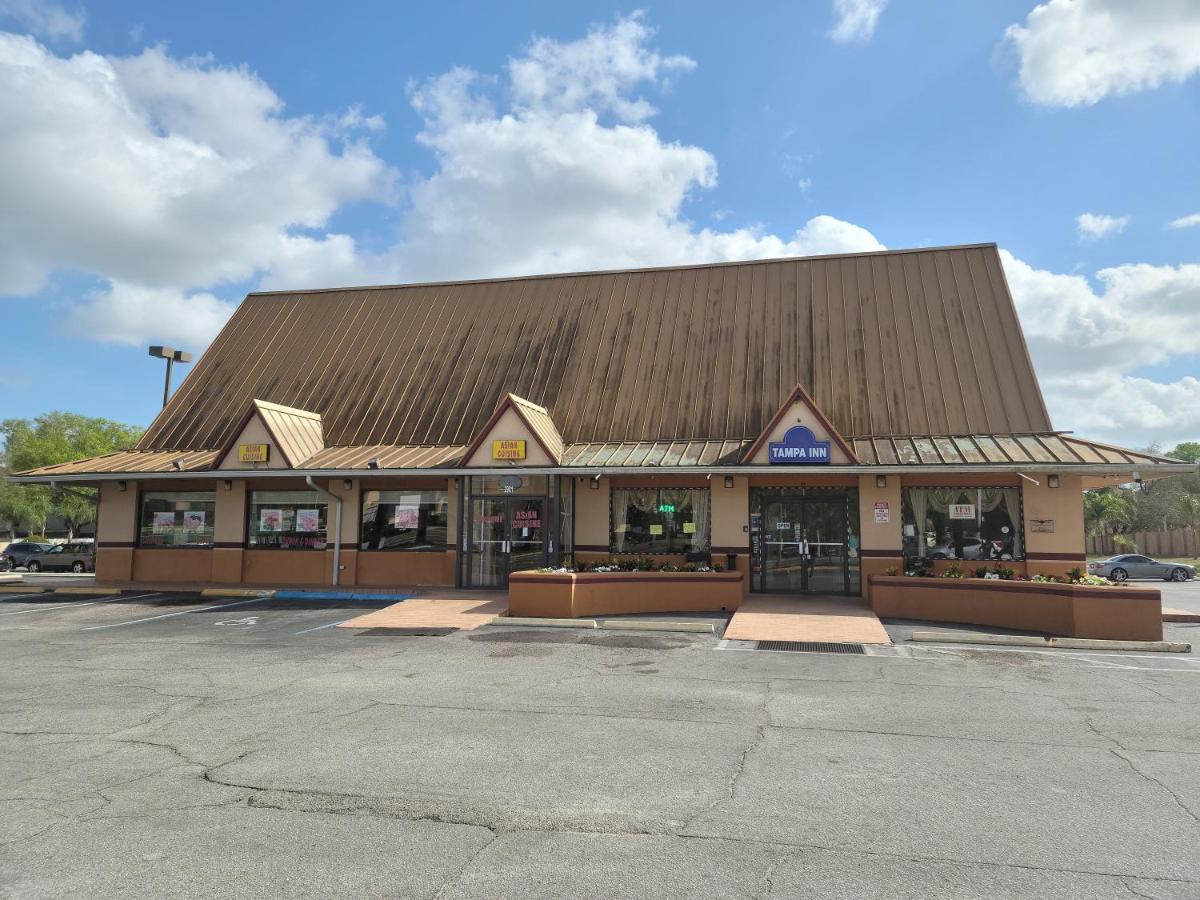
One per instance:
(1107, 510)
(47, 440)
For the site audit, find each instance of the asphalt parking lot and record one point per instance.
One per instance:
(160, 744)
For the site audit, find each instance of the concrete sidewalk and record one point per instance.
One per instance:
(462, 610)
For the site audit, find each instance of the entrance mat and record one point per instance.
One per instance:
(338, 595)
(407, 632)
(810, 647)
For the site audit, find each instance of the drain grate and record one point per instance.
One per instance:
(809, 647)
(407, 632)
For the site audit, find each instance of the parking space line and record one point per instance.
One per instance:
(16, 598)
(329, 625)
(73, 604)
(182, 612)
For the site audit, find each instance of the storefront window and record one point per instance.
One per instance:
(286, 520)
(177, 519)
(963, 523)
(659, 520)
(405, 520)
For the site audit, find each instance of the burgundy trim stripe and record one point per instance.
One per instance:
(114, 545)
(592, 548)
(1070, 557)
(228, 545)
(730, 549)
(863, 551)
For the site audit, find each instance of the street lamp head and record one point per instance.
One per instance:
(181, 356)
(162, 352)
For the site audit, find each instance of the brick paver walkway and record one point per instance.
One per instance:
(451, 610)
(834, 620)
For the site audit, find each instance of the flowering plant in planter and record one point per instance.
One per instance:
(631, 564)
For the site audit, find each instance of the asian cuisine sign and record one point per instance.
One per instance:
(799, 447)
(508, 449)
(253, 452)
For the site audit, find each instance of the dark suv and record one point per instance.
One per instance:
(19, 552)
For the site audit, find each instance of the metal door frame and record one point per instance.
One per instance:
(804, 497)
(467, 522)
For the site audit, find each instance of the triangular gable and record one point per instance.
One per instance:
(800, 422)
(517, 419)
(291, 436)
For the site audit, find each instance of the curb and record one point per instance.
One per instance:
(22, 589)
(236, 592)
(544, 623)
(90, 591)
(1180, 615)
(687, 627)
(1060, 643)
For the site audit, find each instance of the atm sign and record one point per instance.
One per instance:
(508, 449)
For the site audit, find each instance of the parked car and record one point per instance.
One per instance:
(972, 549)
(1133, 565)
(65, 558)
(18, 553)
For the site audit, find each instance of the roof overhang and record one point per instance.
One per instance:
(1146, 472)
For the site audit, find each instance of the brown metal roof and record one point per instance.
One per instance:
(133, 461)
(891, 343)
(996, 449)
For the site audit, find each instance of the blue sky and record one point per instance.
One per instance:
(319, 145)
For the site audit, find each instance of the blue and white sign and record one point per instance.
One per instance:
(799, 447)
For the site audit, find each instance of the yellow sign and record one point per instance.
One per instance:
(253, 452)
(508, 449)
(689, 527)
(656, 529)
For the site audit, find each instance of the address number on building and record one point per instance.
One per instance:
(253, 452)
(508, 449)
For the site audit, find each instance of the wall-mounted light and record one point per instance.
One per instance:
(728, 481)
(1052, 481)
(122, 485)
(880, 481)
(347, 485)
(373, 462)
(594, 484)
(227, 484)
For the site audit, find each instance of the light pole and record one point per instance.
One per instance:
(172, 356)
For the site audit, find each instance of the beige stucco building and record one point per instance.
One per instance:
(811, 421)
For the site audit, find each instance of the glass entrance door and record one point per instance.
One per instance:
(507, 534)
(804, 540)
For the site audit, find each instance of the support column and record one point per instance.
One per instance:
(1053, 518)
(730, 514)
(591, 518)
(116, 531)
(881, 544)
(229, 531)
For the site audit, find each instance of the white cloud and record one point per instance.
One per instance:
(1186, 221)
(163, 176)
(568, 175)
(1092, 226)
(1087, 345)
(1076, 52)
(45, 19)
(856, 19)
(135, 314)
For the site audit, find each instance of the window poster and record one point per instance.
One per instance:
(193, 519)
(962, 510)
(656, 529)
(270, 520)
(308, 520)
(164, 522)
(689, 527)
(405, 517)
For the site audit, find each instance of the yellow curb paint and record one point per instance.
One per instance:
(686, 627)
(90, 591)
(21, 589)
(544, 623)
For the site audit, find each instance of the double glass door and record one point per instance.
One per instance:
(508, 534)
(805, 540)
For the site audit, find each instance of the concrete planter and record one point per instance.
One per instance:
(1073, 610)
(563, 595)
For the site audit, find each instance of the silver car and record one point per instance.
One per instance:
(79, 557)
(1133, 565)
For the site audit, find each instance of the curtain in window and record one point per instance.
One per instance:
(1012, 500)
(620, 519)
(702, 514)
(918, 500)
